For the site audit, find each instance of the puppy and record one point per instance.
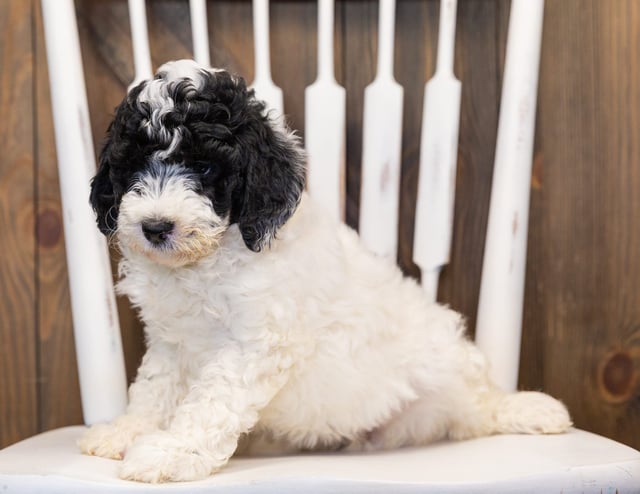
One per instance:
(262, 315)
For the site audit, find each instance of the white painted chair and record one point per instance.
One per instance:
(574, 462)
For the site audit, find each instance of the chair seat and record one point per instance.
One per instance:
(574, 462)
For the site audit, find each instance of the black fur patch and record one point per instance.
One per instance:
(250, 172)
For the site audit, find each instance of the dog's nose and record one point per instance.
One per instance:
(157, 232)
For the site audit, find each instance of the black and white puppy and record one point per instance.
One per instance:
(261, 314)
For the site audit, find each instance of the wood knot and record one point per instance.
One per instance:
(617, 376)
(49, 228)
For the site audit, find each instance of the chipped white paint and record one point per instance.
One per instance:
(438, 158)
(95, 319)
(325, 123)
(499, 324)
(382, 145)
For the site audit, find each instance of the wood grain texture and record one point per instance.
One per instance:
(18, 332)
(582, 319)
(581, 336)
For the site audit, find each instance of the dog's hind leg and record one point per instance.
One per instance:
(468, 406)
(485, 409)
(421, 422)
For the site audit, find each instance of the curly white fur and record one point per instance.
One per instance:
(309, 343)
(315, 343)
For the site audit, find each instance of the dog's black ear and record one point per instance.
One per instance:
(103, 199)
(274, 182)
(123, 150)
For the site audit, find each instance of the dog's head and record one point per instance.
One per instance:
(188, 154)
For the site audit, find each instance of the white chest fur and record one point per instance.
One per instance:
(345, 329)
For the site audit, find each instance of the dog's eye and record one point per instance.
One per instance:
(204, 168)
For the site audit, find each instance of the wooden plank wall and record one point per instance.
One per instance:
(581, 337)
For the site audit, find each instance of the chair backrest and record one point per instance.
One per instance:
(96, 327)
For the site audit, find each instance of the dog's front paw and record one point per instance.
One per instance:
(112, 440)
(162, 457)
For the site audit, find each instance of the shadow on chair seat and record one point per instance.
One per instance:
(575, 462)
